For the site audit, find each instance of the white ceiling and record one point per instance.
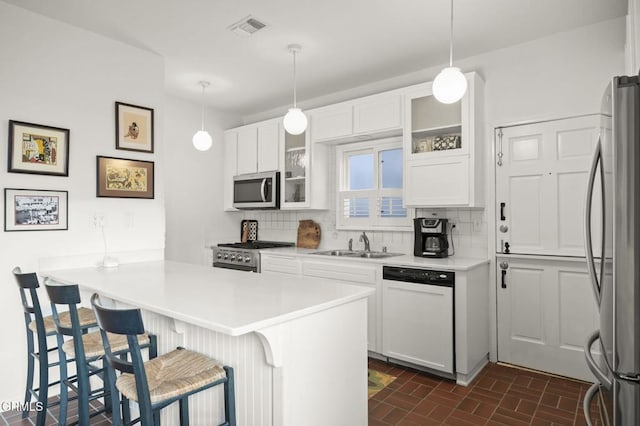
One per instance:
(345, 43)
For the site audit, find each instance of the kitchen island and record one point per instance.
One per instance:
(298, 347)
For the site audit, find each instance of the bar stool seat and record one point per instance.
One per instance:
(94, 348)
(176, 373)
(85, 315)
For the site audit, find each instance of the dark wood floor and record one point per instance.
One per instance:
(500, 395)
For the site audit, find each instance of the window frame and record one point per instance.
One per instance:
(375, 221)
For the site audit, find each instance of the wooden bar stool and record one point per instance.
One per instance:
(164, 380)
(86, 349)
(38, 328)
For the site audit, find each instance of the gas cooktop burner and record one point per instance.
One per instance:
(257, 245)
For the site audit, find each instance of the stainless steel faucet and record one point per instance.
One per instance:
(365, 239)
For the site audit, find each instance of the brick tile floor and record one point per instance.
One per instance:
(500, 395)
(14, 418)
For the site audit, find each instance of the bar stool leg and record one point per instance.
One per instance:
(43, 392)
(229, 397)
(30, 368)
(83, 390)
(64, 392)
(184, 411)
(106, 380)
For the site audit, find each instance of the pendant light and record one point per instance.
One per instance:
(450, 84)
(295, 122)
(202, 139)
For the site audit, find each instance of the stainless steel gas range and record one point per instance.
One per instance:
(243, 256)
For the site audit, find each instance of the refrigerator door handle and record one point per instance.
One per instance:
(593, 366)
(591, 265)
(586, 404)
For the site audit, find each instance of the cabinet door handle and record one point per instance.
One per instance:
(504, 278)
(502, 216)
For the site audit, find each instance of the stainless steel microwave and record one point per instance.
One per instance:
(257, 191)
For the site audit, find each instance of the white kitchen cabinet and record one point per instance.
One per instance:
(370, 117)
(258, 147)
(359, 274)
(268, 146)
(443, 148)
(247, 150)
(280, 263)
(417, 324)
(332, 122)
(546, 310)
(541, 183)
(377, 113)
(230, 168)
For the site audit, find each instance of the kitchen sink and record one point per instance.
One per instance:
(363, 254)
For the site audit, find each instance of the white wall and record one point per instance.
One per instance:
(193, 183)
(556, 76)
(59, 75)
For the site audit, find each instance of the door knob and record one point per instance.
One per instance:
(503, 228)
(504, 265)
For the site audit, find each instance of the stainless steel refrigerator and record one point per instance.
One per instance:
(616, 277)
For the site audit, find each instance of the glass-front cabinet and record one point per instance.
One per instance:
(295, 170)
(436, 128)
(443, 148)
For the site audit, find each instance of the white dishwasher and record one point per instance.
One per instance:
(417, 317)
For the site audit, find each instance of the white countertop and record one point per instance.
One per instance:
(452, 263)
(223, 300)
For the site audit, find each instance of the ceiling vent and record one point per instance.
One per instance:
(246, 26)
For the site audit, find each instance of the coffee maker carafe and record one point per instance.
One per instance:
(430, 237)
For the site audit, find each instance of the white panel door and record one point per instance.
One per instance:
(541, 186)
(247, 150)
(546, 310)
(417, 324)
(268, 147)
(440, 182)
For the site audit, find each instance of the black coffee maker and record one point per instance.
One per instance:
(430, 237)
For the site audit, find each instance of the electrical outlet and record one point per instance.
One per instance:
(98, 220)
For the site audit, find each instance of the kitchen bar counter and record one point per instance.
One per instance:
(298, 347)
(222, 300)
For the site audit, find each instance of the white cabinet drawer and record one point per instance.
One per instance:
(280, 264)
(343, 272)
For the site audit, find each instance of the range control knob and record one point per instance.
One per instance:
(219, 256)
(247, 259)
(226, 256)
(233, 257)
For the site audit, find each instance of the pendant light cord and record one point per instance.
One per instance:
(451, 38)
(202, 106)
(294, 79)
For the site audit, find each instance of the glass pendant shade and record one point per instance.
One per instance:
(449, 85)
(295, 122)
(202, 140)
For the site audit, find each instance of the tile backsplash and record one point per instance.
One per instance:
(469, 235)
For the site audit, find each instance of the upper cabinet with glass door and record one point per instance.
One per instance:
(304, 173)
(443, 148)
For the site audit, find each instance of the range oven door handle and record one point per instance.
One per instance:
(236, 267)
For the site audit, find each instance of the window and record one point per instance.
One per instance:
(370, 178)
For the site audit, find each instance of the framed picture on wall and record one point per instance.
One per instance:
(38, 149)
(35, 210)
(134, 128)
(123, 178)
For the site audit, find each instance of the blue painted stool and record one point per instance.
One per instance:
(175, 375)
(86, 348)
(38, 328)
